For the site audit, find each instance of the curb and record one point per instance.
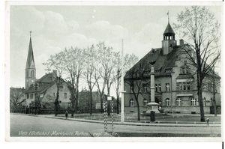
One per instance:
(139, 124)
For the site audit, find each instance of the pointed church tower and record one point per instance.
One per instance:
(168, 39)
(30, 71)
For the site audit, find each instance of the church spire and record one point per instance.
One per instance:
(30, 71)
(30, 57)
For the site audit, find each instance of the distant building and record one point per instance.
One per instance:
(175, 80)
(44, 90)
(85, 103)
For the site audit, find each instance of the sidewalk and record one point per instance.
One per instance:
(157, 123)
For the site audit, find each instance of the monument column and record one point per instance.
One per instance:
(152, 106)
(152, 84)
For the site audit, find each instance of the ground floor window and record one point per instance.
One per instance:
(167, 102)
(211, 102)
(131, 102)
(145, 102)
(65, 95)
(204, 101)
(178, 102)
(31, 96)
(193, 102)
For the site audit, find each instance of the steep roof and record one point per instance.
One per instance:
(47, 78)
(169, 30)
(163, 63)
(30, 57)
(44, 83)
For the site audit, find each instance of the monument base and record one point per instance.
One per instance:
(152, 106)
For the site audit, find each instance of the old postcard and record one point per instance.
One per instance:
(149, 71)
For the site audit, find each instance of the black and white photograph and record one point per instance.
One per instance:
(114, 71)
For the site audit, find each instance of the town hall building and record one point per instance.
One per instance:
(175, 81)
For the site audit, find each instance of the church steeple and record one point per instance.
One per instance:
(168, 39)
(30, 71)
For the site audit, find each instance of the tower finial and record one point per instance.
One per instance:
(168, 14)
(30, 33)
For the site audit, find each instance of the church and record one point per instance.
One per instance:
(44, 90)
(175, 88)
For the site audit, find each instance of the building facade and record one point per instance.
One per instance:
(43, 92)
(175, 80)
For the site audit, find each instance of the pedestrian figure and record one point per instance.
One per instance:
(66, 114)
(207, 120)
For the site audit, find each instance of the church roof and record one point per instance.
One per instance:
(30, 57)
(168, 30)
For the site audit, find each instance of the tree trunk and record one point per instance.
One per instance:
(214, 97)
(117, 104)
(117, 96)
(138, 112)
(101, 100)
(201, 104)
(90, 100)
(56, 101)
(199, 84)
(77, 96)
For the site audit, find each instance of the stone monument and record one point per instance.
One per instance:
(152, 106)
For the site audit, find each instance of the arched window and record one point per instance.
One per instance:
(145, 101)
(27, 73)
(131, 102)
(211, 100)
(32, 73)
(204, 100)
(167, 102)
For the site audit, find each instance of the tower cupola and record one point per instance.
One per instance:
(168, 39)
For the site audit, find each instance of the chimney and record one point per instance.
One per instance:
(181, 42)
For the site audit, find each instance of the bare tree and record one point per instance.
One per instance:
(201, 32)
(16, 98)
(135, 79)
(69, 63)
(89, 71)
(104, 70)
(129, 61)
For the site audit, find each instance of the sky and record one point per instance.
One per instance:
(56, 27)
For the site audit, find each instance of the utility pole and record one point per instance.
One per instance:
(122, 86)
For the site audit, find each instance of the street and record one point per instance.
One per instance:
(31, 126)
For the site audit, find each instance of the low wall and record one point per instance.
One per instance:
(186, 110)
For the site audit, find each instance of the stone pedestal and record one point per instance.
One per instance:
(152, 106)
